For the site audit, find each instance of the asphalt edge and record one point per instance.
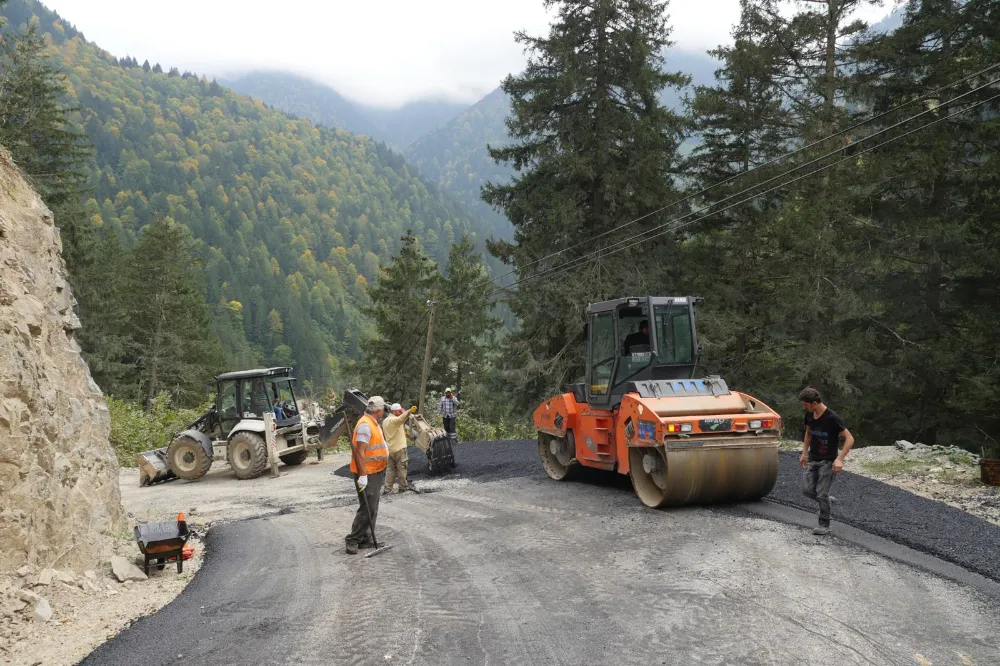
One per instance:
(887, 548)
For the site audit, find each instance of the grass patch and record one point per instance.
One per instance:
(895, 467)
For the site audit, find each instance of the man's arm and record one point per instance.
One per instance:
(804, 458)
(838, 464)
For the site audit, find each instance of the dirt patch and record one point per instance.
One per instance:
(88, 607)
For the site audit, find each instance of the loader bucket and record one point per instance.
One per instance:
(153, 467)
(704, 473)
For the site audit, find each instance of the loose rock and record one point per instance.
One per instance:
(904, 445)
(28, 596)
(44, 578)
(125, 570)
(43, 611)
(63, 576)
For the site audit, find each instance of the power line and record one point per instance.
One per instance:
(573, 263)
(742, 174)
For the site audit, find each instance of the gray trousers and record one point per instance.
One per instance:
(816, 485)
(360, 532)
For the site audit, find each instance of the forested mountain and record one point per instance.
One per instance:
(324, 105)
(293, 220)
(455, 157)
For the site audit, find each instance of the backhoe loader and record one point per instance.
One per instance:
(641, 412)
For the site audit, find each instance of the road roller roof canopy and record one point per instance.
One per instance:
(638, 338)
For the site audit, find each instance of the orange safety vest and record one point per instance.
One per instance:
(375, 453)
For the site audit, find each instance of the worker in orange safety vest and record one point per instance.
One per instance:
(369, 456)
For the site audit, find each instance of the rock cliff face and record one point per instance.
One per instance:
(58, 475)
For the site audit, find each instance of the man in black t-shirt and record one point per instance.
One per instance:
(820, 456)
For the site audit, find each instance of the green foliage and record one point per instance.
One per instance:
(455, 157)
(34, 124)
(289, 216)
(168, 322)
(393, 358)
(135, 429)
(463, 326)
(593, 148)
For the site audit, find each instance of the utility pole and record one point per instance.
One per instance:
(427, 357)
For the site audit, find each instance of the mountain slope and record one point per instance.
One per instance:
(298, 95)
(293, 219)
(324, 105)
(454, 155)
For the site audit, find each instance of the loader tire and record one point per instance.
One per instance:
(247, 455)
(187, 459)
(292, 459)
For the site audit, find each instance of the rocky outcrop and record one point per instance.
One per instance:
(58, 476)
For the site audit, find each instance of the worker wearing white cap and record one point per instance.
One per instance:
(448, 409)
(395, 435)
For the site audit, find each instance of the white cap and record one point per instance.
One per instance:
(396, 407)
(376, 403)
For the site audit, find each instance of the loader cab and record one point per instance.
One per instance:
(634, 339)
(249, 394)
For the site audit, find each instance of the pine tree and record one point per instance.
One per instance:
(393, 359)
(34, 124)
(743, 124)
(593, 149)
(464, 325)
(811, 50)
(932, 206)
(170, 332)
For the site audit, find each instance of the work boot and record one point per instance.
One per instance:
(368, 545)
(821, 531)
(352, 549)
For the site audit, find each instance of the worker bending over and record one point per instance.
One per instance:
(395, 435)
(369, 455)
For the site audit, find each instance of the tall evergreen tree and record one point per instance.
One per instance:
(170, 333)
(34, 124)
(393, 359)
(932, 205)
(464, 325)
(593, 149)
(807, 53)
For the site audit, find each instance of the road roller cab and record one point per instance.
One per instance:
(641, 412)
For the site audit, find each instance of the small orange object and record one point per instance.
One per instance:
(180, 517)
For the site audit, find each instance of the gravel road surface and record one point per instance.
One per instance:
(503, 566)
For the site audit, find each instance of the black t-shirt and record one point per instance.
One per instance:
(825, 435)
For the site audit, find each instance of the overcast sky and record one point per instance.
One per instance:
(383, 52)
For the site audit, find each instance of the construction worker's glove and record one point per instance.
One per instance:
(363, 481)
(413, 410)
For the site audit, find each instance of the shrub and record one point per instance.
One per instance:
(134, 429)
